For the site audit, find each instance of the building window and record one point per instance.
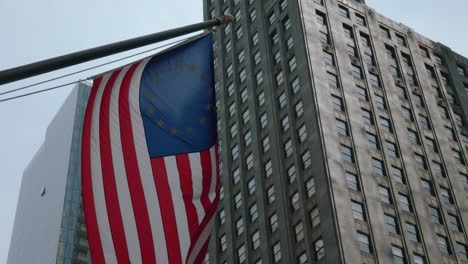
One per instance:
(266, 144)
(392, 149)
(337, 103)
(299, 231)
(446, 195)
(351, 50)
(392, 225)
(367, 115)
(246, 116)
(365, 40)
(400, 40)
(272, 18)
(249, 161)
(239, 33)
(369, 59)
(420, 161)
(306, 162)
(295, 201)
(253, 15)
(295, 86)
(229, 70)
(385, 194)
(222, 216)
(358, 210)
(292, 64)
(458, 156)
(239, 226)
(310, 187)
(427, 187)
(332, 80)
(222, 243)
(435, 215)
(299, 109)
(238, 200)
(244, 96)
(373, 141)
(291, 173)
(274, 222)
(398, 256)
(342, 128)
(302, 259)
(404, 202)
(302, 133)
(271, 194)
(443, 244)
(397, 175)
(364, 244)
(321, 18)
(412, 230)
(235, 152)
(431, 145)
(251, 186)
(257, 58)
(343, 11)
(253, 212)
(461, 70)
(424, 121)
(418, 259)
(288, 148)
(424, 51)
(236, 176)
(380, 101)
(279, 78)
(233, 130)
(407, 114)
(268, 168)
(362, 93)
(462, 251)
(386, 125)
(357, 72)
(256, 242)
(374, 80)
(263, 120)
(414, 138)
(276, 252)
(315, 217)
(328, 58)
(285, 123)
(352, 181)
(286, 23)
(385, 32)
(324, 38)
(360, 20)
(454, 223)
(347, 153)
(259, 78)
(378, 167)
(241, 254)
(319, 249)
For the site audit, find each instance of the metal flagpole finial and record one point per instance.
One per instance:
(224, 20)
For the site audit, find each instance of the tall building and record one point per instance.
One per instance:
(343, 137)
(49, 225)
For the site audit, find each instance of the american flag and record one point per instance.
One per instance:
(149, 159)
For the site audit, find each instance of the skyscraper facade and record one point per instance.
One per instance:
(49, 225)
(343, 137)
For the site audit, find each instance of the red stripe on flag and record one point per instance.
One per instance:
(167, 210)
(205, 159)
(185, 174)
(108, 176)
(133, 173)
(92, 229)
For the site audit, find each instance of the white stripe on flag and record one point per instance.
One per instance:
(214, 175)
(144, 164)
(204, 236)
(178, 203)
(123, 191)
(197, 183)
(97, 181)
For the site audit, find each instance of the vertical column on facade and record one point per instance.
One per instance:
(440, 136)
(376, 221)
(462, 96)
(273, 128)
(332, 193)
(406, 147)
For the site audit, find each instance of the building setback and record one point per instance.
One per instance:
(343, 137)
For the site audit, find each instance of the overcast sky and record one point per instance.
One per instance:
(35, 30)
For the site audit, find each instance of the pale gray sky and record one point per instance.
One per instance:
(35, 30)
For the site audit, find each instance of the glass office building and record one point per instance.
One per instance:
(343, 137)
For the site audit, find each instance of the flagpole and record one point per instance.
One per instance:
(40, 67)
